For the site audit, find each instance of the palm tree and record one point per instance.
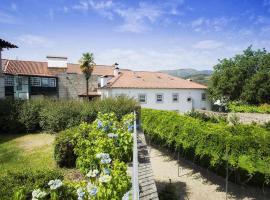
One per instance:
(87, 65)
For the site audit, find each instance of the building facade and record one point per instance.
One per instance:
(55, 78)
(158, 91)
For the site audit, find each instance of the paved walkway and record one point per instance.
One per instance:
(195, 183)
(148, 189)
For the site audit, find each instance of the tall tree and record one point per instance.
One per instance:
(87, 66)
(244, 77)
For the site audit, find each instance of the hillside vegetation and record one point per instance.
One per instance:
(199, 76)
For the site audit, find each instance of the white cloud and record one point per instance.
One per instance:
(203, 24)
(136, 19)
(35, 40)
(51, 14)
(104, 8)
(154, 59)
(207, 44)
(14, 7)
(7, 18)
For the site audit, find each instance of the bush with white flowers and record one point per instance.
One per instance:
(102, 148)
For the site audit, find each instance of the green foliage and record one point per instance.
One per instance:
(105, 135)
(245, 77)
(249, 145)
(9, 111)
(57, 116)
(29, 114)
(240, 107)
(53, 116)
(205, 117)
(64, 148)
(20, 184)
(87, 66)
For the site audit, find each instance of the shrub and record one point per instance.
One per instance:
(22, 183)
(64, 148)
(245, 108)
(29, 114)
(9, 111)
(248, 145)
(57, 115)
(203, 116)
(120, 105)
(106, 135)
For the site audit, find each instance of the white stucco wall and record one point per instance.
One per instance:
(182, 105)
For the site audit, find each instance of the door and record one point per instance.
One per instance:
(21, 87)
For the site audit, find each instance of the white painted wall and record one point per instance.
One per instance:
(60, 62)
(182, 105)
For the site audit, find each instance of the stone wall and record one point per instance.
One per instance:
(72, 85)
(245, 118)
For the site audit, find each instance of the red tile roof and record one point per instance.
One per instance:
(140, 79)
(19, 67)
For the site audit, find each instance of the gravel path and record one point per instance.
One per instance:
(195, 183)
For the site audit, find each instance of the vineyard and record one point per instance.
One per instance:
(246, 148)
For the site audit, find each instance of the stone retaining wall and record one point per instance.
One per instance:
(245, 118)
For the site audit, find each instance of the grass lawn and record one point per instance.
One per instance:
(31, 151)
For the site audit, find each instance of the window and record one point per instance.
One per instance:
(35, 81)
(45, 82)
(142, 98)
(52, 82)
(9, 80)
(175, 97)
(19, 83)
(203, 96)
(189, 99)
(159, 98)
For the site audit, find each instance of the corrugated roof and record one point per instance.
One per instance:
(19, 67)
(140, 79)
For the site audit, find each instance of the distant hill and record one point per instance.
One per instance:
(199, 76)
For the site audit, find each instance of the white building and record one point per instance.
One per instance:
(156, 90)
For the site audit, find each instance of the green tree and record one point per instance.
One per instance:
(244, 77)
(87, 66)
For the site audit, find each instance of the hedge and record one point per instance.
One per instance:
(25, 181)
(245, 108)
(248, 146)
(57, 115)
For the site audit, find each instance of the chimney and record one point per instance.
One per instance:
(116, 69)
(57, 62)
(103, 81)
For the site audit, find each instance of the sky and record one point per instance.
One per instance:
(139, 35)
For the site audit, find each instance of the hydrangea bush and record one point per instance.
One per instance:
(102, 149)
(106, 139)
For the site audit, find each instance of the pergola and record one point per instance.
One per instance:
(4, 45)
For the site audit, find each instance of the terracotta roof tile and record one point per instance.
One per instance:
(20, 67)
(132, 79)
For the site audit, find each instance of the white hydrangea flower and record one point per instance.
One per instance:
(37, 194)
(105, 178)
(92, 173)
(54, 184)
(92, 189)
(80, 193)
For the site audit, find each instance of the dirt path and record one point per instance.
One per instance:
(195, 183)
